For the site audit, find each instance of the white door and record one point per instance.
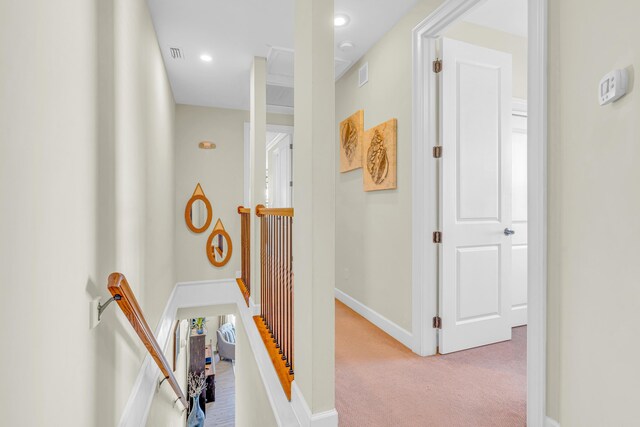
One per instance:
(475, 196)
(519, 219)
(279, 173)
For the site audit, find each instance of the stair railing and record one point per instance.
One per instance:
(275, 321)
(122, 293)
(244, 281)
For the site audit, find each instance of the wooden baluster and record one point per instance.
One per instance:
(245, 243)
(245, 258)
(281, 287)
(280, 277)
(265, 264)
(271, 245)
(264, 271)
(285, 353)
(286, 292)
(273, 277)
(261, 268)
(275, 280)
(288, 287)
(245, 263)
(291, 296)
(286, 302)
(289, 301)
(248, 251)
(268, 273)
(271, 242)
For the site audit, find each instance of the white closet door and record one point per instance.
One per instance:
(476, 188)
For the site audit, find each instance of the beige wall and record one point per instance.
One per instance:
(252, 406)
(220, 172)
(373, 230)
(594, 206)
(86, 145)
(497, 40)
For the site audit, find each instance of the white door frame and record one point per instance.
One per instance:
(425, 185)
(247, 165)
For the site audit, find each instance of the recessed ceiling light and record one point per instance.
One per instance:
(206, 58)
(340, 20)
(346, 46)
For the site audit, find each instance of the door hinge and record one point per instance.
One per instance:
(437, 237)
(437, 151)
(290, 146)
(437, 65)
(437, 322)
(290, 183)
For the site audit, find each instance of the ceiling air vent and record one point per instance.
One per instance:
(176, 53)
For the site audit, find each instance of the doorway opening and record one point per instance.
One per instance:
(209, 347)
(485, 271)
(478, 158)
(279, 168)
(278, 180)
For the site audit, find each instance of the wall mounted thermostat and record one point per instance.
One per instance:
(613, 86)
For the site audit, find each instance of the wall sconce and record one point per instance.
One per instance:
(206, 145)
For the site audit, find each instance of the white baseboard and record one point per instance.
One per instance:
(550, 422)
(304, 415)
(255, 308)
(400, 334)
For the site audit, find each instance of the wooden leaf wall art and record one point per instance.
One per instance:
(351, 132)
(379, 157)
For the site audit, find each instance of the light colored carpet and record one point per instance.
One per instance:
(379, 382)
(222, 412)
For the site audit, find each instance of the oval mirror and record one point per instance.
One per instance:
(219, 246)
(198, 213)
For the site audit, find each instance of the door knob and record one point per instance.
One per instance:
(508, 232)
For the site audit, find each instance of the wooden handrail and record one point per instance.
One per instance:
(261, 211)
(118, 286)
(243, 210)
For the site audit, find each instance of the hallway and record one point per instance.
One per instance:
(379, 382)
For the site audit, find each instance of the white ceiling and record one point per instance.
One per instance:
(234, 31)
(509, 16)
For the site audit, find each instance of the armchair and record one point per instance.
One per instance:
(226, 341)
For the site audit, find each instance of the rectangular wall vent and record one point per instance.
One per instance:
(176, 53)
(363, 75)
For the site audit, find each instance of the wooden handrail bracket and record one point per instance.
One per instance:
(118, 285)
